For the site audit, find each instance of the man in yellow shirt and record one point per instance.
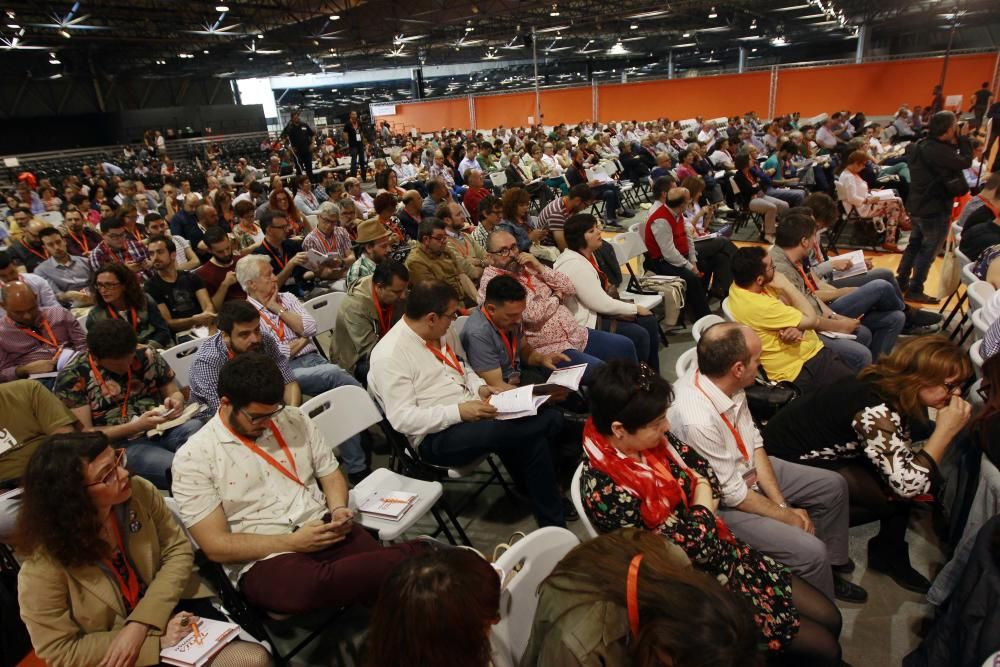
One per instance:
(785, 322)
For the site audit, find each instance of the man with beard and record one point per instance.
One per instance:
(239, 332)
(80, 238)
(180, 295)
(219, 273)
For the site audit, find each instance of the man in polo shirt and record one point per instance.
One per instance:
(261, 492)
(373, 239)
(32, 338)
(494, 343)
(553, 217)
(294, 328)
(429, 396)
(126, 392)
(371, 307)
(770, 305)
(796, 514)
(80, 238)
(69, 275)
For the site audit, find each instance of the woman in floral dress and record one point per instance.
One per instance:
(638, 474)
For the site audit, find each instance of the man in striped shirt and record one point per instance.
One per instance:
(553, 217)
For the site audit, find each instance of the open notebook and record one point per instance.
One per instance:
(195, 652)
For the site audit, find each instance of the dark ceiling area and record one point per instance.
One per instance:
(575, 40)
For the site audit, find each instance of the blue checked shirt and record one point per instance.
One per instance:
(213, 354)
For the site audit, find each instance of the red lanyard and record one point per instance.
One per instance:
(292, 474)
(451, 360)
(136, 233)
(993, 209)
(84, 243)
(509, 344)
(104, 386)
(44, 255)
(810, 283)
(135, 320)
(253, 230)
(129, 589)
(278, 329)
(750, 177)
(384, 315)
(725, 420)
(114, 253)
(600, 274)
(51, 340)
(522, 278)
(280, 260)
(659, 468)
(464, 248)
(322, 239)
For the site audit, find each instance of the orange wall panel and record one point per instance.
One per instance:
(430, 116)
(707, 96)
(568, 105)
(879, 88)
(510, 110)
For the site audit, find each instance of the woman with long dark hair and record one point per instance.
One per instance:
(986, 426)
(637, 474)
(436, 610)
(117, 295)
(109, 576)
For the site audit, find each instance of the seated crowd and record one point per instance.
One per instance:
(452, 291)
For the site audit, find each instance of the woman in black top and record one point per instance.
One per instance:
(986, 425)
(861, 427)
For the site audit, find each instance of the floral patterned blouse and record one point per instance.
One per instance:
(739, 567)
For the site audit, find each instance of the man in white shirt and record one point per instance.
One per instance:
(262, 493)
(549, 158)
(469, 161)
(442, 406)
(796, 514)
(825, 135)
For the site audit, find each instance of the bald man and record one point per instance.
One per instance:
(28, 251)
(185, 219)
(32, 338)
(796, 514)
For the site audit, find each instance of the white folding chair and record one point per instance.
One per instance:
(703, 323)
(498, 179)
(83, 322)
(685, 362)
(54, 218)
(324, 310)
(456, 331)
(629, 246)
(725, 310)
(980, 292)
(525, 565)
(980, 324)
(180, 358)
(577, 497)
(976, 354)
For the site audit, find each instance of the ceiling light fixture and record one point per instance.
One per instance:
(555, 10)
(13, 26)
(54, 61)
(713, 14)
(205, 51)
(221, 8)
(65, 34)
(469, 28)
(634, 26)
(334, 17)
(687, 34)
(779, 41)
(618, 49)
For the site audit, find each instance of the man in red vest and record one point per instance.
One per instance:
(669, 252)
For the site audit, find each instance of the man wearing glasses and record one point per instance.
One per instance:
(262, 493)
(434, 260)
(126, 393)
(120, 248)
(286, 256)
(441, 405)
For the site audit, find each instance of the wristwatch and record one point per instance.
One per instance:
(783, 506)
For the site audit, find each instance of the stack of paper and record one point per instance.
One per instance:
(517, 403)
(568, 377)
(856, 268)
(195, 651)
(66, 355)
(390, 505)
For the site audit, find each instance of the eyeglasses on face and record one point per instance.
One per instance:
(103, 286)
(952, 386)
(506, 251)
(109, 478)
(258, 419)
(453, 315)
(116, 235)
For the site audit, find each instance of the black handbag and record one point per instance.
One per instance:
(765, 398)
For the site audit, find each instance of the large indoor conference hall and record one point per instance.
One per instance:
(500, 333)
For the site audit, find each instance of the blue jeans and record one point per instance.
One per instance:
(601, 347)
(644, 334)
(151, 457)
(926, 239)
(612, 201)
(881, 310)
(856, 354)
(316, 375)
(791, 196)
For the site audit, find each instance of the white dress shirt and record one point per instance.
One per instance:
(214, 468)
(282, 332)
(695, 418)
(418, 393)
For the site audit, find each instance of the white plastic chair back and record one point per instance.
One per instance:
(83, 322)
(534, 558)
(498, 178)
(963, 260)
(54, 218)
(725, 310)
(685, 362)
(980, 323)
(455, 335)
(577, 497)
(341, 413)
(699, 327)
(313, 220)
(980, 292)
(976, 354)
(181, 358)
(324, 310)
(968, 277)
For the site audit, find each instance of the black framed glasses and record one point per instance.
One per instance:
(258, 419)
(506, 251)
(952, 386)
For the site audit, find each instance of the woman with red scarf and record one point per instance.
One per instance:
(639, 475)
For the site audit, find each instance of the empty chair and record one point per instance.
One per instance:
(324, 310)
(180, 358)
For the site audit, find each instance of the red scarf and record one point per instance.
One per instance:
(650, 480)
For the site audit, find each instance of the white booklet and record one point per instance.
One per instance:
(66, 355)
(517, 403)
(391, 505)
(856, 268)
(317, 259)
(837, 334)
(190, 410)
(196, 651)
(568, 377)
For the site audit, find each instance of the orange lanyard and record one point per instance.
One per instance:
(84, 243)
(993, 209)
(252, 231)
(384, 315)
(322, 239)
(135, 320)
(280, 260)
(522, 278)
(464, 248)
(136, 233)
(725, 420)
(509, 344)
(810, 283)
(125, 259)
(632, 594)
(600, 274)
(44, 255)
(278, 329)
(292, 474)
(130, 589)
(104, 386)
(451, 360)
(51, 340)
(660, 469)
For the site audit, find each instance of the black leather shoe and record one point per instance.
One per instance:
(920, 297)
(846, 568)
(895, 562)
(845, 591)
